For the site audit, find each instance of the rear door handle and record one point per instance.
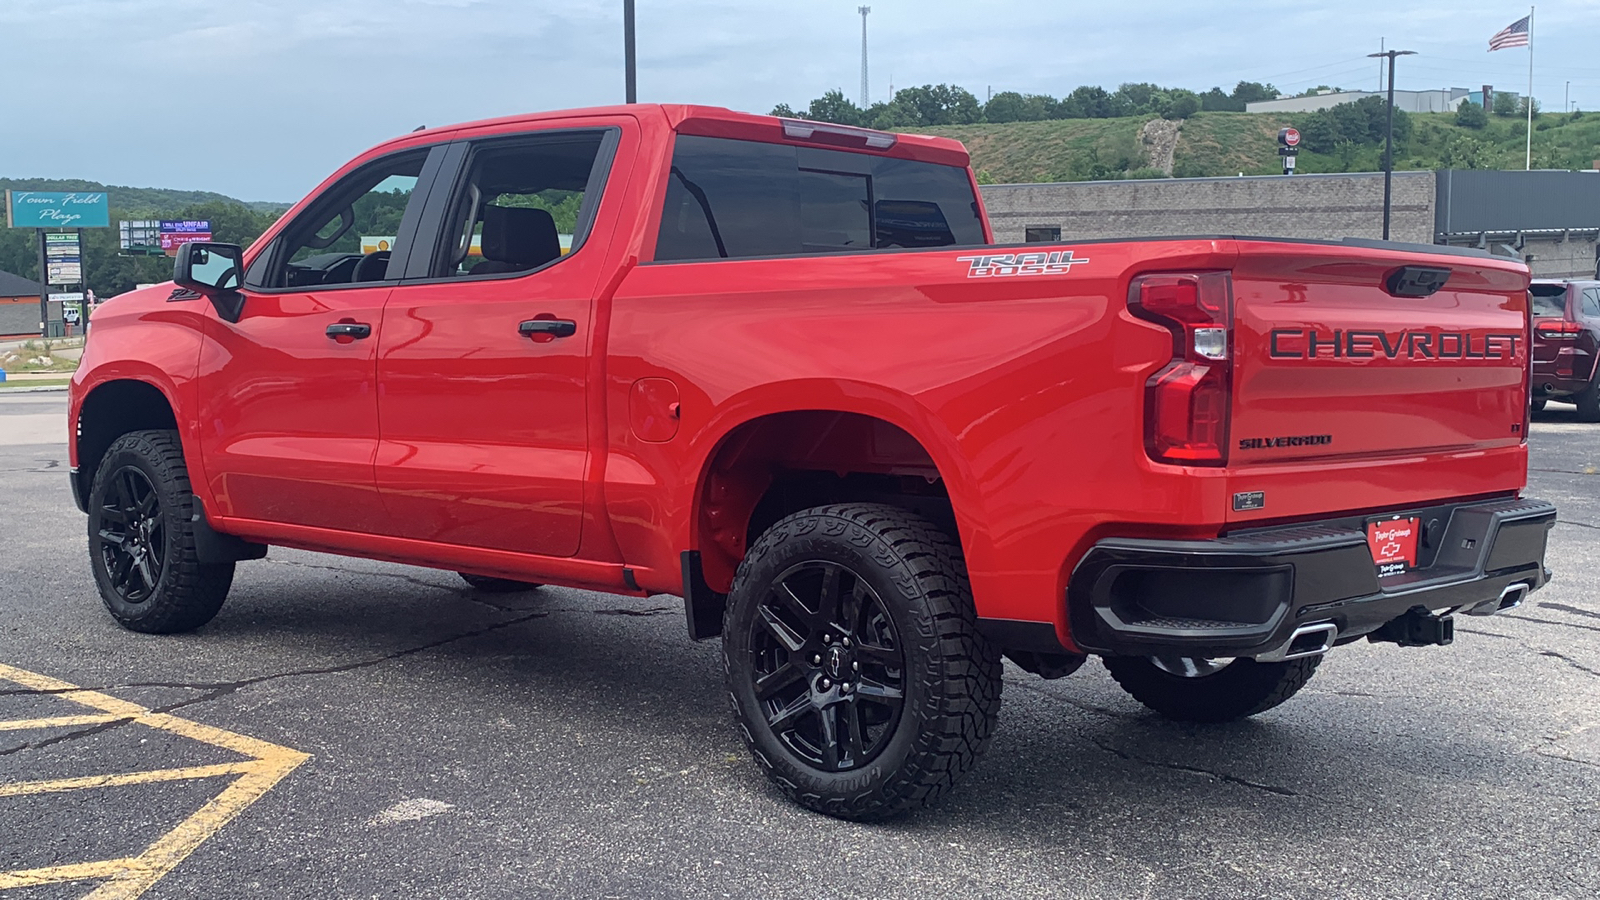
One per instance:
(556, 328)
(353, 331)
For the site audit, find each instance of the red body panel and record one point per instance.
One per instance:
(555, 462)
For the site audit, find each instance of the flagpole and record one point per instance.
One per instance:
(1528, 166)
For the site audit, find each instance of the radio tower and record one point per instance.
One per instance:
(864, 10)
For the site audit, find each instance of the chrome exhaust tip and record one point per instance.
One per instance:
(1307, 640)
(1511, 597)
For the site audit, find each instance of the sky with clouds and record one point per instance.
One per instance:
(261, 99)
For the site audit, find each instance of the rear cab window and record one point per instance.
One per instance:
(732, 199)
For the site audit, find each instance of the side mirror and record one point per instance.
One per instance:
(215, 270)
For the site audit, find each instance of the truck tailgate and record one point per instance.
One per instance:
(1342, 353)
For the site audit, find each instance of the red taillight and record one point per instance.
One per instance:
(1558, 331)
(1187, 403)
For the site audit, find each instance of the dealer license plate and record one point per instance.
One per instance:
(1393, 543)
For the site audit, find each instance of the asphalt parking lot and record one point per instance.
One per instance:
(400, 736)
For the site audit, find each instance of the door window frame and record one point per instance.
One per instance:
(433, 235)
(270, 258)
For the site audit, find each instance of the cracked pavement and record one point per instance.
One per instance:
(562, 743)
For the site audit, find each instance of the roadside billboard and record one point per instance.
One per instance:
(139, 236)
(58, 209)
(175, 233)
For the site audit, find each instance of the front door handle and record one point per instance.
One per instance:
(344, 332)
(555, 328)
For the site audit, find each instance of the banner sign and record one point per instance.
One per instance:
(61, 248)
(68, 298)
(175, 234)
(58, 209)
(65, 273)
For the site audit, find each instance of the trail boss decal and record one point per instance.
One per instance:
(1413, 343)
(1001, 265)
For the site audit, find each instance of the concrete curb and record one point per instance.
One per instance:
(32, 390)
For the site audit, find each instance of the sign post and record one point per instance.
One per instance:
(1288, 146)
(60, 254)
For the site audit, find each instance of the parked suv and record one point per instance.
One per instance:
(776, 367)
(1566, 345)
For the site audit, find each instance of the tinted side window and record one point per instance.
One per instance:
(520, 205)
(1591, 303)
(346, 235)
(731, 199)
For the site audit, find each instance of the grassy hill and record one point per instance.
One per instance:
(154, 203)
(1223, 143)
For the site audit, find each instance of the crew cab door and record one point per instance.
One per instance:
(483, 364)
(289, 421)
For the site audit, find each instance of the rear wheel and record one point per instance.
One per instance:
(490, 585)
(141, 538)
(1190, 689)
(1588, 401)
(857, 674)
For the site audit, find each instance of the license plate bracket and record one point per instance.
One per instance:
(1393, 542)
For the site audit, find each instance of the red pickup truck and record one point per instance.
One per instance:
(777, 368)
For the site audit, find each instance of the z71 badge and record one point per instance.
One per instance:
(1000, 265)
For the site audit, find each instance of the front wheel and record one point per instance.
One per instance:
(141, 538)
(857, 674)
(1209, 690)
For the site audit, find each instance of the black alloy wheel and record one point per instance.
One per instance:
(133, 540)
(857, 674)
(828, 665)
(143, 550)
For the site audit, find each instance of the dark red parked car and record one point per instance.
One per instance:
(1566, 345)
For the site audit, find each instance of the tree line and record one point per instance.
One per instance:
(948, 104)
(107, 272)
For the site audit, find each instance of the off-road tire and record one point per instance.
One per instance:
(1241, 689)
(950, 677)
(491, 585)
(186, 593)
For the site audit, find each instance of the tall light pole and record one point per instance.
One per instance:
(1388, 148)
(630, 70)
(864, 10)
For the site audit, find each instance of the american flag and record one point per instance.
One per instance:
(1513, 35)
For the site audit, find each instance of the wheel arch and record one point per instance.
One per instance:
(111, 409)
(751, 459)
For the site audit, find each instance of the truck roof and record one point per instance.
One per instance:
(717, 121)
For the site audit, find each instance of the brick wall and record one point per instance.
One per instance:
(1304, 206)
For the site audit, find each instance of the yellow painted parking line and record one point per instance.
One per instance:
(58, 785)
(58, 722)
(129, 877)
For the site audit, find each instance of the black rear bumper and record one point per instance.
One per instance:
(1246, 594)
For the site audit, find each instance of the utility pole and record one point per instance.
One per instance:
(631, 73)
(1388, 146)
(864, 10)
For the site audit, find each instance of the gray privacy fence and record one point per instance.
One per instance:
(1474, 201)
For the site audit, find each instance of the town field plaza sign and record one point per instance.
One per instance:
(58, 209)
